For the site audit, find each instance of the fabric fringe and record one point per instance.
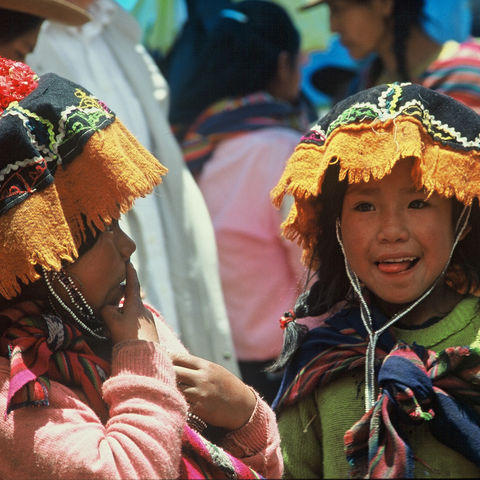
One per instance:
(101, 183)
(369, 151)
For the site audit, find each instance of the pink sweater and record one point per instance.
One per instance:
(141, 439)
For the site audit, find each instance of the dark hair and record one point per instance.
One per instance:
(240, 57)
(406, 14)
(13, 24)
(331, 282)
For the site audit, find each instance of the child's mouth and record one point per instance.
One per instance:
(397, 265)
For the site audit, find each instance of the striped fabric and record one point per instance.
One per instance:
(236, 116)
(42, 347)
(415, 385)
(456, 73)
(203, 459)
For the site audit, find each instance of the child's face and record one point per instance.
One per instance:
(396, 240)
(100, 271)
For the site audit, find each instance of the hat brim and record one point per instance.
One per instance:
(311, 4)
(62, 11)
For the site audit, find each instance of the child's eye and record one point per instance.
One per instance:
(418, 204)
(364, 207)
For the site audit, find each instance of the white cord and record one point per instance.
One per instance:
(373, 335)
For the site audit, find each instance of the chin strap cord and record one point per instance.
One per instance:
(373, 335)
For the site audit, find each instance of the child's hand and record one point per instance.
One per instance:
(133, 321)
(216, 395)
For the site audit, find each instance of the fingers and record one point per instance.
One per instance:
(133, 321)
(132, 287)
(188, 361)
(185, 376)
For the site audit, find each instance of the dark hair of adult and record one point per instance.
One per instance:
(13, 24)
(331, 282)
(406, 15)
(240, 57)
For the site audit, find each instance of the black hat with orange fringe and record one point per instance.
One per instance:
(366, 135)
(67, 165)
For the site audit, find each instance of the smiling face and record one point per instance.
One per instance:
(364, 26)
(396, 239)
(100, 271)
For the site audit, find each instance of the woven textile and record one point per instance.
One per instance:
(415, 385)
(66, 164)
(456, 73)
(203, 459)
(235, 116)
(42, 348)
(398, 120)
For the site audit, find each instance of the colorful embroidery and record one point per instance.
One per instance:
(415, 383)
(47, 144)
(366, 134)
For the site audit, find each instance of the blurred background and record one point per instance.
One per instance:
(326, 65)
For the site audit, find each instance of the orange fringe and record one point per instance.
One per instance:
(101, 183)
(369, 151)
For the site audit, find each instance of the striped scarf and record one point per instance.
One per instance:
(456, 72)
(235, 116)
(415, 385)
(42, 347)
(203, 459)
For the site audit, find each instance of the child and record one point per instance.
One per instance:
(92, 387)
(386, 191)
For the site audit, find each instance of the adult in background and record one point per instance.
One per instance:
(392, 30)
(238, 119)
(20, 22)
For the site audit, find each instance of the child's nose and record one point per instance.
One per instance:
(392, 229)
(126, 246)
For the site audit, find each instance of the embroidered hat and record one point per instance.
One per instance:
(366, 135)
(67, 164)
(63, 11)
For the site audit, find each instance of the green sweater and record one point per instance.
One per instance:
(312, 430)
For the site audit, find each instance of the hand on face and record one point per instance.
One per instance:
(133, 321)
(216, 395)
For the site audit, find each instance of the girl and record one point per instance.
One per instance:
(116, 394)
(386, 191)
(393, 31)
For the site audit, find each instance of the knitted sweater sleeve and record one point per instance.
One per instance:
(141, 439)
(257, 443)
